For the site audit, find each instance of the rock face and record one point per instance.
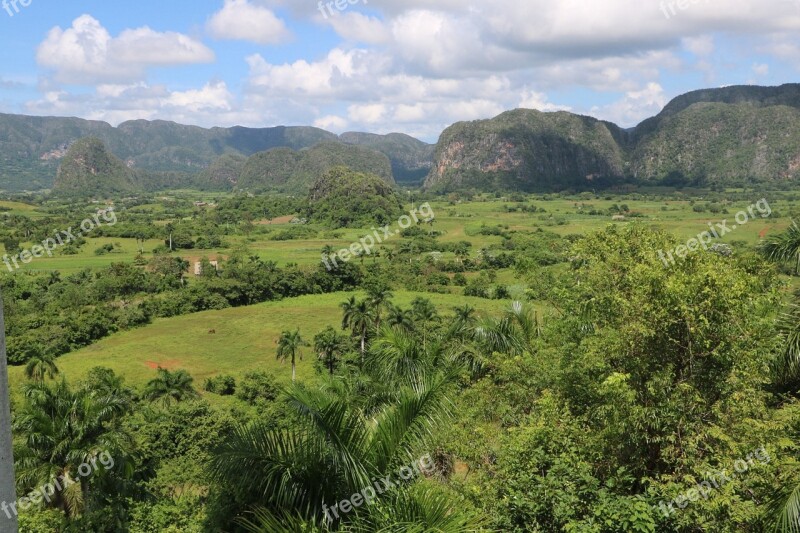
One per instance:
(528, 150)
(728, 137)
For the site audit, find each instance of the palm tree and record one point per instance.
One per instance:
(401, 318)
(784, 247)
(330, 345)
(170, 386)
(289, 348)
(8, 491)
(60, 428)
(338, 451)
(359, 318)
(379, 298)
(41, 366)
(465, 316)
(426, 313)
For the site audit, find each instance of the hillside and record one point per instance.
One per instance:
(89, 168)
(31, 148)
(726, 137)
(527, 150)
(723, 144)
(286, 170)
(411, 158)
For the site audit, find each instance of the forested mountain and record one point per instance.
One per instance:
(411, 158)
(526, 149)
(31, 148)
(727, 137)
(731, 136)
(292, 171)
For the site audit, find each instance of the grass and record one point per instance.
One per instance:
(245, 337)
(245, 340)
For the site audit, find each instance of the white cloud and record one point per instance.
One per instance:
(331, 123)
(761, 69)
(241, 20)
(634, 107)
(367, 113)
(361, 28)
(538, 101)
(699, 46)
(86, 53)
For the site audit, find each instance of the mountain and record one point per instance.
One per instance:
(528, 150)
(411, 158)
(223, 174)
(731, 136)
(32, 147)
(286, 170)
(721, 144)
(89, 166)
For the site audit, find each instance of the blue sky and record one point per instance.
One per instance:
(413, 66)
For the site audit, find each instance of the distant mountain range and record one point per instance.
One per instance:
(33, 148)
(731, 136)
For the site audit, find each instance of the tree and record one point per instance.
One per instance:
(330, 345)
(289, 346)
(358, 318)
(41, 366)
(379, 297)
(401, 318)
(290, 479)
(169, 387)
(61, 428)
(784, 247)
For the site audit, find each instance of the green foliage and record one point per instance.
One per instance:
(257, 387)
(294, 172)
(222, 385)
(170, 387)
(344, 198)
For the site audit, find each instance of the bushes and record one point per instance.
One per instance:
(222, 385)
(257, 387)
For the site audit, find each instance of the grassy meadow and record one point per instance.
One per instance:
(245, 337)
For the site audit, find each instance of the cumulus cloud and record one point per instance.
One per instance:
(86, 52)
(115, 103)
(357, 27)
(538, 101)
(635, 106)
(241, 20)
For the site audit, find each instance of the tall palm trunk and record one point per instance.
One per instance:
(294, 369)
(8, 493)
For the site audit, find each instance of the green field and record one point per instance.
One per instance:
(245, 339)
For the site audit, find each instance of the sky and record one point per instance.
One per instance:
(410, 66)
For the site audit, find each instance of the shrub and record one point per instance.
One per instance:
(257, 387)
(222, 385)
